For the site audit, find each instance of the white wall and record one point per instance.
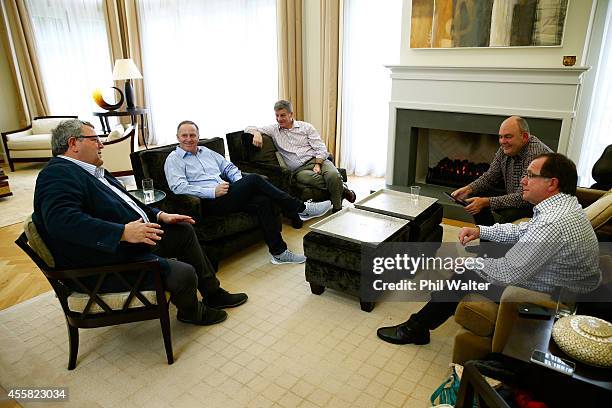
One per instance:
(576, 28)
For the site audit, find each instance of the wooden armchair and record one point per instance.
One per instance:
(87, 307)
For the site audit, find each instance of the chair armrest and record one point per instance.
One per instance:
(278, 176)
(507, 312)
(587, 196)
(18, 133)
(182, 204)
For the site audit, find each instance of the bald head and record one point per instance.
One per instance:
(513, 135)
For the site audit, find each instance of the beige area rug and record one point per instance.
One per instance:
(284, 347)
(16, 208)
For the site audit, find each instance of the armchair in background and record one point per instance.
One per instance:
(267, 161)
(32, 143)
(117, 150)
(220, 235)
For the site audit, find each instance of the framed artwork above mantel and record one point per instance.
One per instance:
(487, 23)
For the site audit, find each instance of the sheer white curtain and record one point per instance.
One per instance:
(72, 48)
(210, 61)
(371, 40)
(598, 133)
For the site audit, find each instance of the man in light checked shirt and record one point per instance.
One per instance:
(517, 149)
(556, 249)
(304, 152)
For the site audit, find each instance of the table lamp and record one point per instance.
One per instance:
(126, 69)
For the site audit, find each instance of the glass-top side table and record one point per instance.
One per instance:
(139, 194)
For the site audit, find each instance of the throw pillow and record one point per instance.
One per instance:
(600, 212)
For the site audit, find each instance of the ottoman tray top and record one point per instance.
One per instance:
(359, 226)
(395, 203)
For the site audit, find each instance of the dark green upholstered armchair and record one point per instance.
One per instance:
(267, 161)
(220, 235)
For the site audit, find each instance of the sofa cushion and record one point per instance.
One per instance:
(45, 125)
(477, 314)
(30, 142)
(600, 212)
(212, 228)
(266, 154)
(36, 242)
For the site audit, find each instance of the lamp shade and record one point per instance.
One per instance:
(125, 69)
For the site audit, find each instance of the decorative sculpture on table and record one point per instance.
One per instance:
(99, 99)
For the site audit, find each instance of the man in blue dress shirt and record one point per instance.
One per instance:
(197, 170)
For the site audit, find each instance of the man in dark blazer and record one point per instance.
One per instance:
(87, 218)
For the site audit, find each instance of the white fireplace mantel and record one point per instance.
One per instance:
(550, 93)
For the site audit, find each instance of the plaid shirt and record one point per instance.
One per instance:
(510, 170)
(556, 248)
(296, 145)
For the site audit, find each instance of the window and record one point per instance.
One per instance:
(210, 61)
(366, 83)
(73, 52)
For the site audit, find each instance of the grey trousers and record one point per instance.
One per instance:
(328, 179)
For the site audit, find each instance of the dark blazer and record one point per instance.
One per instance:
(81, 220)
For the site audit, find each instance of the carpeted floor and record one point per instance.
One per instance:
(284, 347)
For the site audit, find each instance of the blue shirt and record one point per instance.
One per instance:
(198, 174)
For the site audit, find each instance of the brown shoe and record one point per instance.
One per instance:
(349, 195)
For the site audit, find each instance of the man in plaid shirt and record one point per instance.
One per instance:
(517, 149)
(556, 249)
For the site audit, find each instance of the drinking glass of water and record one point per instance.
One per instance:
(148, 191)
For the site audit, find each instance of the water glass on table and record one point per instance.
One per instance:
(148, 191)
(415, 191)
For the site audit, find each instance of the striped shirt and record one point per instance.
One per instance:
(510, 170)
(296, 145)
(556, 248)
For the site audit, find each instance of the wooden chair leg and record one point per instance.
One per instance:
(164, 321)
(73, 341)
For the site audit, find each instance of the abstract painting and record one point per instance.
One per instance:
(487, 23)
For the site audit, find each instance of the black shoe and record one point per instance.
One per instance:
(403, 334)
(297, 222)
(349, 195)
(205, 316)
(222, 299)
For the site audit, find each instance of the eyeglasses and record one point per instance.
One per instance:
(90, 137)
(531, 176)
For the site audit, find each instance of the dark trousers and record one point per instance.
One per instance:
(255, 195)
(444, 303)
(485, 216)
(190, 271)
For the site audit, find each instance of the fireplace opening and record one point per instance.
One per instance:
(455, 173)
(453, 158)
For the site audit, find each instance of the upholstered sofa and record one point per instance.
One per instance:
(220, 236)
(485, 325)
(32, 143)
(267, 161)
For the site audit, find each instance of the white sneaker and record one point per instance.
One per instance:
(287, 257)
(314, 210)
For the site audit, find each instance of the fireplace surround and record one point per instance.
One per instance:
(477, 99)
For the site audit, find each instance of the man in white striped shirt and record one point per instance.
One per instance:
(556, 249)
(304, 152)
